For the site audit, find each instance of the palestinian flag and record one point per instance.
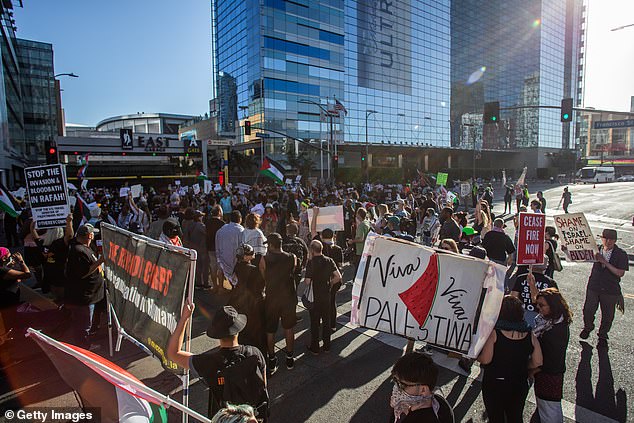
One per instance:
(101, 384)
(8, 203)
(273, 170)
(81, 212)
(201, 176)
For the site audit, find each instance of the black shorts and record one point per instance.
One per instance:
(274, 311)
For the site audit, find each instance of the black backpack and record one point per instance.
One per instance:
(240, 381)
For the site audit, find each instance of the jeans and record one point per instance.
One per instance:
(550, 411)
(80, 323)
(333, 304)
(607, 302)
(320, 318)
(213, 270)
(504, 399)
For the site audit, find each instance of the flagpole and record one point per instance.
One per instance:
(138, 386)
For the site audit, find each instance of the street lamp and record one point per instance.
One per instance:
(61, 124)
(367, 145)
(72, 75)
(330, 133)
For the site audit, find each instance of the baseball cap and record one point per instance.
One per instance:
(87, 229)
(468, 230)
(394, 220)
(499, 223)
(609, 234)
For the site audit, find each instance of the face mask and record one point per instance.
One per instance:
(402, 402)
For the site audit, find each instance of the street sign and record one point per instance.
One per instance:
(607, 124)
(262, 135)
(221, 143)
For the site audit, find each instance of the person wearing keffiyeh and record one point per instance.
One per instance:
(552, 329)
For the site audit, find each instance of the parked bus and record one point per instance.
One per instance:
(594, 174)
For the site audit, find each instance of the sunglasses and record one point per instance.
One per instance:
(403, 385)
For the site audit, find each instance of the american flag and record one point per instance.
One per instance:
(340, 107)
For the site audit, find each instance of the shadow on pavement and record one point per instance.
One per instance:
(603, 400)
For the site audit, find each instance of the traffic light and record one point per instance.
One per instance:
(491, 112)
(566, 110)
(335, 161)
(247, 127)
(51, 152)
(221, 177)
(364, 160)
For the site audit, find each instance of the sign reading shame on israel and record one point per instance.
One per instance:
(444, 299)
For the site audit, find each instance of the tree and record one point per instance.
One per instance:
(301, 162)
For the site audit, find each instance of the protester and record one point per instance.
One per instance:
(253, 236)
(197, 234)
(527, 286)
(248, 298)
(235, 414)
(55, 250)
(156, 227)
(212, 225)
(536, 206)
(507, 356)
(604, 287)
(172, 233)
(552, 329)
(362, 230)
(449, 228)
(508, 198)
(498, 244)
(281, 298)
(84, 283)
(567, 199)
(295, 245)
(321, 274)
(550, 234)
(449, 245)
(13, 270)
(430, 227)
(414, 378)
(250, 370)
(542, 201)
(228, 239)
(269, 220)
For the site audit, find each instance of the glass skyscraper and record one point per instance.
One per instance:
(407, 73)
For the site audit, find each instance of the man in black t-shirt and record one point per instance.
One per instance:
(217, 365)
(84, 283)
(278, 269)
(296, 246)
(498, 244)
(321, 274)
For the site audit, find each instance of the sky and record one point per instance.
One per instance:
(154, 55)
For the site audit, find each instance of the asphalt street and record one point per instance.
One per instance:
(351, 383)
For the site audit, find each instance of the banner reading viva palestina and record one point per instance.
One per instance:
(447, 300)
(146, 283)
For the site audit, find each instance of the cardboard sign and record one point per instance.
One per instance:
(530, 240)
(328, 217)
(196, 188)
(465, 189)
(208, 186)
(136, 190)
(448, 300)
(441, 178)
(576, 235)
(123, 191)
(48, 195)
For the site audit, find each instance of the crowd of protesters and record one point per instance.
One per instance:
(258, 245)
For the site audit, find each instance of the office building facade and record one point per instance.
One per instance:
(405, 73)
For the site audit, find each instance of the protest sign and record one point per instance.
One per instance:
(447, 300)
(288, 181)
(208, 186)
(123, 191)
(575, 234)
(328, 217)
(243, 188)
(530, 239)
(441, 178)
(450, 197)
(48, 195)
(465, 189)
(136, 190)
(146, 283)
(177, 182)
(217, 187)
(196, 188)
(298, 178)
(519, 185)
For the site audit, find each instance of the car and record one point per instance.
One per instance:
(626, 178)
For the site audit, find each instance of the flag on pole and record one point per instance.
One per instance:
(8, 203)
(84, 165)
(200, 175)
(82, 211)
(101, 384)
(340, 107)
(273, 170)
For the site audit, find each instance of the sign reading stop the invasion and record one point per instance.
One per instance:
(530, 240)
(48, 195)
(576, 235)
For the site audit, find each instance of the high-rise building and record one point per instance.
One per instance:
(38, 96)
(404, 73)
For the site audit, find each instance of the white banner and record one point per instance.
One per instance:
(444, 299)
(328, 217)
(575, 234)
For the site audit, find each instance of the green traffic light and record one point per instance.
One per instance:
(566, 115)
(494, 118)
